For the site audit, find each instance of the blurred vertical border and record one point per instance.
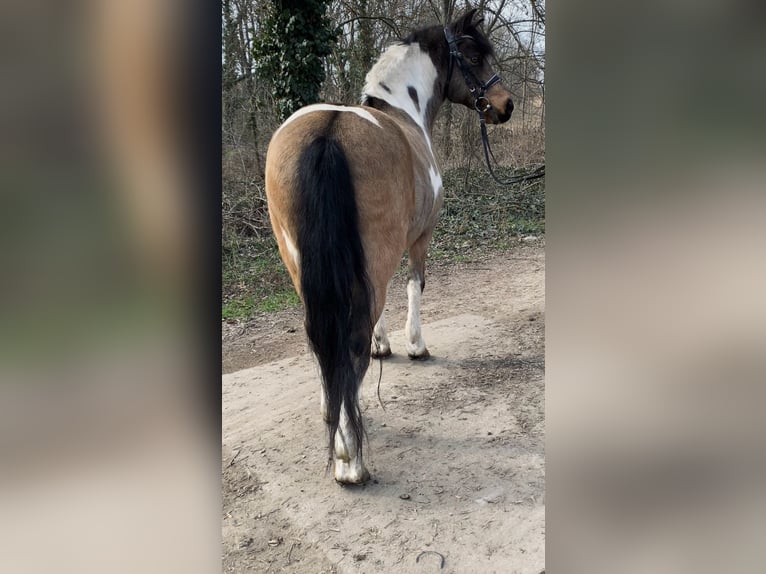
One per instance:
(110, 286)
(656, 275)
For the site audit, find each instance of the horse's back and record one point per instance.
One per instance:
(374, 144)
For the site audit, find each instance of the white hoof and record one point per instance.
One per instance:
(420, 355)
(417, 350)
(351, 472)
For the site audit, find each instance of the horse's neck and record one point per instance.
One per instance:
(405, 77)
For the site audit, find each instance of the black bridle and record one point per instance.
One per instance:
(481, 103)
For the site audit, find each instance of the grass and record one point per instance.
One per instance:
(481, 215)
(254, 278)
(478, 216)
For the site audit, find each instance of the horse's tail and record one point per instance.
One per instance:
(335, 288)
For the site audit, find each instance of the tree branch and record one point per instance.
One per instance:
(387, 21)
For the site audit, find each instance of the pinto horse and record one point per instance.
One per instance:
(350, 188)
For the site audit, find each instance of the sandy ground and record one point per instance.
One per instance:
(457, 456)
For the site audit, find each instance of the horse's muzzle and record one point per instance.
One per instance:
(495, 116)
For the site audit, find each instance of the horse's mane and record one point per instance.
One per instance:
(465, 26)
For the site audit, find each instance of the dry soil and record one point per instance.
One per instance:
(456, 456)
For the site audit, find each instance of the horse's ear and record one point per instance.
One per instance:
(468, 20)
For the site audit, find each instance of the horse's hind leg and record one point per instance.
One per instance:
(349, 466)
(323, 407)
(416, 346)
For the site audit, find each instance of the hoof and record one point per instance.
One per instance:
(344, 474)
(381, 354)
(421, 357)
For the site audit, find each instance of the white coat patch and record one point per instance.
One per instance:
(399, 68)
(361, 112)
(414, 344)
(436, 180)
(292, 249)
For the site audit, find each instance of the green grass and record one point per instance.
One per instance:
(479, 216)
(238, 308)
(254, 278)
(247, 306)
(279, 300)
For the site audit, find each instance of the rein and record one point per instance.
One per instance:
(481, 104)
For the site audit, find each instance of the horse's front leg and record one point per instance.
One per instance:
(415, 345)
(380, 344)
(381, 347)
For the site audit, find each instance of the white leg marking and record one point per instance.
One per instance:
(292, 249)
(349, 468)
(323, 405)
(415, 345)
(380, 345)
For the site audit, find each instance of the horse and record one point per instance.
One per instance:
(350, 188)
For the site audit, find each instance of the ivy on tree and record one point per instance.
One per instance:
(294, 37)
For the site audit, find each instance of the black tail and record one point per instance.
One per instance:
(334, 284)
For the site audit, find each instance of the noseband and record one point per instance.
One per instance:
(481, 103)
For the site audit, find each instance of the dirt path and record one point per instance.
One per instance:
(457, 456)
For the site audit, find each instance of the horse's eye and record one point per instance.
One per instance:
(475, 60)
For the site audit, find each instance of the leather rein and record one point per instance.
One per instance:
(481, 104)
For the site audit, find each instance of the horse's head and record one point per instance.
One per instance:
(471, 80)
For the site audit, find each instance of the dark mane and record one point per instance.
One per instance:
(433, 36)
(478, 36)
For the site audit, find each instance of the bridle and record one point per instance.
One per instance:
(481, 103)
(475, 86)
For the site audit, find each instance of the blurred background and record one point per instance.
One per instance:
(108, 415)
(656, 319)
